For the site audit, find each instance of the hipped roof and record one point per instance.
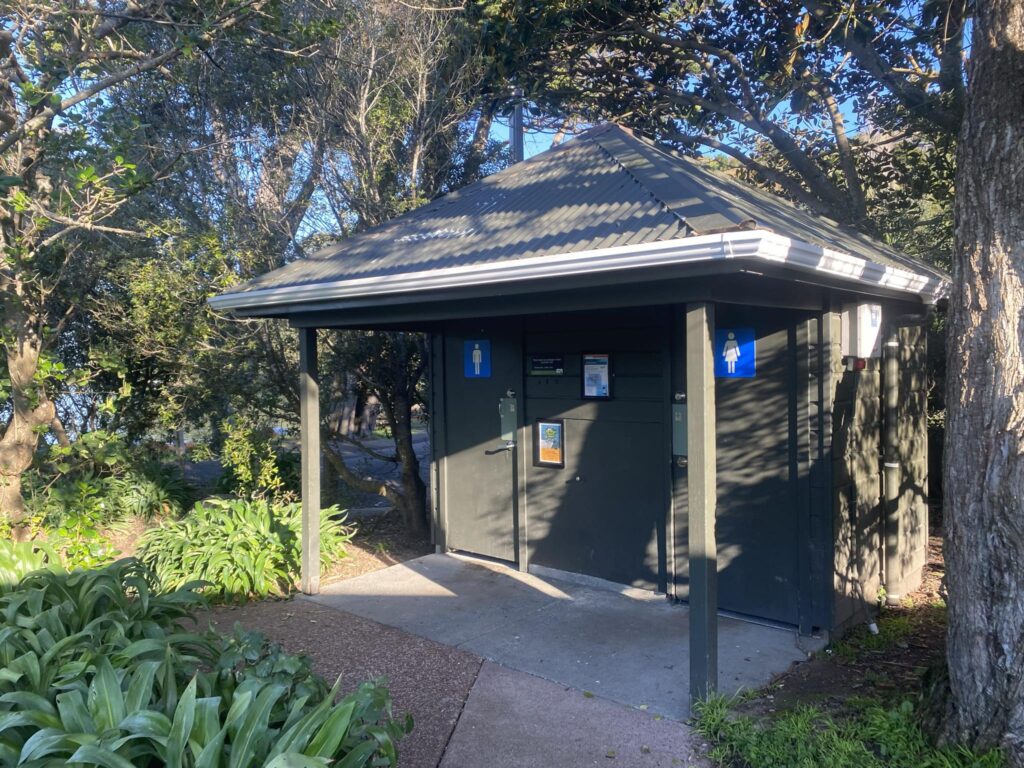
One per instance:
(604, 192)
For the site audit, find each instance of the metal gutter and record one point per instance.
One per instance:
(749, 244)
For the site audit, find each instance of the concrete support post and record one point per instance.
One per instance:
(701, 480)
(891, 467)
(309, 413)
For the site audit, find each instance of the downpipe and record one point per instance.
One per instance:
(891, 467)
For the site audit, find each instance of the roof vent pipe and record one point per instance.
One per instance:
(516, 130)
(891, 465)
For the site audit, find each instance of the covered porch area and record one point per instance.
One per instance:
(625, 645)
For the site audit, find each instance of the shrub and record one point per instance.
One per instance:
(20, 558)
(241, 548)
(73, 522)
(255, 465)
(96, 669)
(150, 489)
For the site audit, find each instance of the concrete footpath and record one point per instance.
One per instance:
(516, 720)
(501, 669)
(630, 648)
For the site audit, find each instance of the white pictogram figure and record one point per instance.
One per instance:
(478, 358)
(731, 352)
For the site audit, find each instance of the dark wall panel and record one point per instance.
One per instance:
(610, 522)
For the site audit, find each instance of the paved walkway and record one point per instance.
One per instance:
(515, 720)
(504, 670)
(629, 649)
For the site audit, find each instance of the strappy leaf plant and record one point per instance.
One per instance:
(100, 668)
(242, 548)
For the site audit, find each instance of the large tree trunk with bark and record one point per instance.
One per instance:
(31, 409)
(984, 467)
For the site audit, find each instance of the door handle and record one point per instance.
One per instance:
(508, 446)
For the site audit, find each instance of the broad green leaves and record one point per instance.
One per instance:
(96, 670)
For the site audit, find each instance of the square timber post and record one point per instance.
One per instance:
(701, 480)
(309, 414)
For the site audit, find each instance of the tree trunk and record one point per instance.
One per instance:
(31, 410)
(984, 454)
(414, 490)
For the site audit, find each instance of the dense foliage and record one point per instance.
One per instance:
(20, 558)
(96, 668)
(242, 548)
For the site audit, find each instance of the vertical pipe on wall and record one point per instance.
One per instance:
(891, 465)
(701, 492)
(309, 415)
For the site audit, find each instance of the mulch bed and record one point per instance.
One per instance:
(380, 541)
(428, 680)
(859, 666)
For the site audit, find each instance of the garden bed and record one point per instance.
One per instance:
(859, 703)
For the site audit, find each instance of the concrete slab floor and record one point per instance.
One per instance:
(628, 650)
(513, 720)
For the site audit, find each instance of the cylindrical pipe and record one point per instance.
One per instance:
(891, 466)
(517, 129)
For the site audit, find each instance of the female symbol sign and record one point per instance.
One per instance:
(735, 353)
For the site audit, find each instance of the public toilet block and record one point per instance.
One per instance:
(649, 373)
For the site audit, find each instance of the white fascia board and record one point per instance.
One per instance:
(751, 244)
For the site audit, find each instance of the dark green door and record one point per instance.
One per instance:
(483, 364)
(758, 513)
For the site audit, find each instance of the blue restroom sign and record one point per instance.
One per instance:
(477, 359)
(735, 353)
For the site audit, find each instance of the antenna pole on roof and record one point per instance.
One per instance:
(516, 130)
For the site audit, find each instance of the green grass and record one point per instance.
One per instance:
(893, 629)
(806, 737)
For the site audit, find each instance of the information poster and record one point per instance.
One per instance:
(597, 377)
(549, 443)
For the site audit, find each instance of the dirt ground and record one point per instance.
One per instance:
(890, 665)
(381, 540)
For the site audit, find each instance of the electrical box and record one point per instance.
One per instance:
(679, 447)
(861, 330)
(508, 418)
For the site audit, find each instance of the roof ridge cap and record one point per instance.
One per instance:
(607, 128)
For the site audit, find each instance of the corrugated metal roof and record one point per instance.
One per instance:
(606, 187)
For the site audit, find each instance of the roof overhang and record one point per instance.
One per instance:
(757, 245)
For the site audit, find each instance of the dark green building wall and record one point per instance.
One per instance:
(858, 481)
(912, 450)
(814, 525)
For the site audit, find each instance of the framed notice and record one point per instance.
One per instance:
(549, 443)
(546, 365)
(597, 380)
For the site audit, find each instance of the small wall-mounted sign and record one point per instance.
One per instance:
(546, 365)
(549, 443)
(597, 381)
(735, 353)
(477, 359)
